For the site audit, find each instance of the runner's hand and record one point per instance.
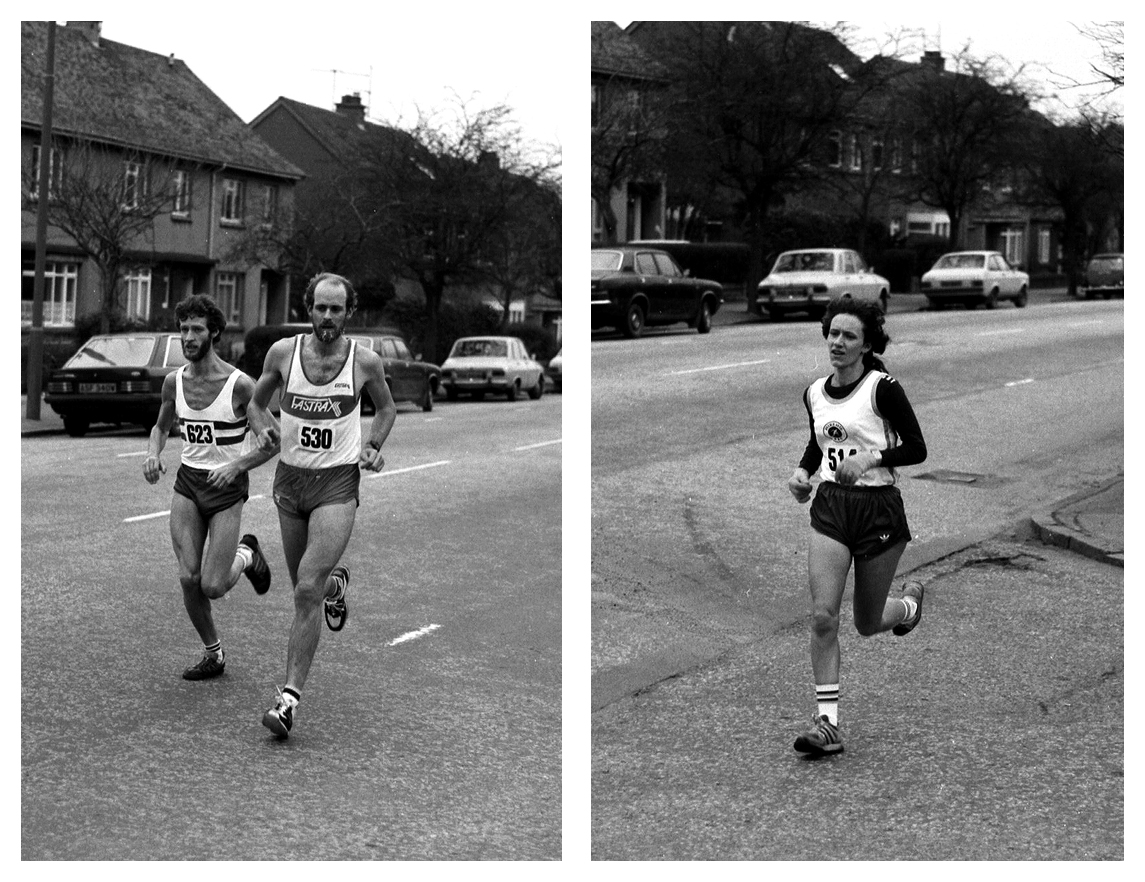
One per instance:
(800, 485)
(267, 440)
(223, 476)
(371, 459)
(852, 468)
(152, 468)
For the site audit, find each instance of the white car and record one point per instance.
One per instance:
(973, 277)
(477, 365)
(807, 280)
(555, 368)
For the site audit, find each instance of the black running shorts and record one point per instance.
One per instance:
(298, 491)
(192, 483)
(868, 520)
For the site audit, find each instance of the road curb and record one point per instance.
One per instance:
(1056, 526)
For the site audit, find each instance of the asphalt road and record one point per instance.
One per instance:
(430, 727)
(992, 732)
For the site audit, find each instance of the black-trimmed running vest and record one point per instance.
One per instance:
(321, 425)
(846, 426)
(214, 435)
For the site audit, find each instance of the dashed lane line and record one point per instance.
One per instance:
(413, 635)
(719, 367)
(535, 446)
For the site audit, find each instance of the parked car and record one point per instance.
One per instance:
(409, 378)
(114, 378)
(634, 287)
(809, 279)
(1104, 276)
(554, 370)
(973, 277)
(477, 365)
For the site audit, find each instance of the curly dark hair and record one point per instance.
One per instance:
(351, 294)
(869, 313)
(202, 306)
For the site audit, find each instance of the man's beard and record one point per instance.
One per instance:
(327, 334)
(201, 353)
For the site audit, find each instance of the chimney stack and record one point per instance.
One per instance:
(352, 106)
(89, 29)
(934, 59)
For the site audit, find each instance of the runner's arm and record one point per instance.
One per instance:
(153, 465)
(385, 411)
(892, 403)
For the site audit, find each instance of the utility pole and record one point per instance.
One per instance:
(36, 337)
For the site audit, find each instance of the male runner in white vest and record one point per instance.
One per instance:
(322, 376)
(209, 397)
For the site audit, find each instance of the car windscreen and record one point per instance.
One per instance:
(133, 351)
(479, 349)
(1107, 264)
(961, 261)
(800, 262)
(606, 260)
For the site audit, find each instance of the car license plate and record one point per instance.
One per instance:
(97, 387)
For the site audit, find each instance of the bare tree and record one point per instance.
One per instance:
(106, 200)
(965, 119)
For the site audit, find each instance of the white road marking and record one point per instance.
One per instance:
(125, 455)
(720, 367)
(1002, 332)
(428, 465)
(147, 517)
(1020, 382)
(541, 444)
(413, 635)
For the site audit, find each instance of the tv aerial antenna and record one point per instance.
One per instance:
(334, 72)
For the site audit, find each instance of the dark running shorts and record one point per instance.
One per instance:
(192, 483)
(298, 491)
(868, 520)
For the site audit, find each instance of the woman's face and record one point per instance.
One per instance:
(846, 342)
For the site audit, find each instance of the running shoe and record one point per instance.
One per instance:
(910, 589)
(821, 739)
(336, 611)
(259, 571)
(209, 666)
(280, 718)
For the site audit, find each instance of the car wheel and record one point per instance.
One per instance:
(634, 320)
(427, 400)
(992, 299)
(884, 301)
(704, 322)
(1022, 297)
(538, 390)
(451, 393)
(514, 388)
(76, 426)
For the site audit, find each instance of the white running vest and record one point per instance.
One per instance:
(321, 425)
(846, 426)
(214, 435)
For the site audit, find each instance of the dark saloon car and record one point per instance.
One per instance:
(1104, 277)
(634, 287)
(409, 378)
(114, 378)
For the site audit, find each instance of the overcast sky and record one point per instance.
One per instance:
(397, 62)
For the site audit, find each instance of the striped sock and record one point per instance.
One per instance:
(911, 608)
(827, 698)
(215, 649)
(246, 555)
(292, 694)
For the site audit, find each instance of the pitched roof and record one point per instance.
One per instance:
(343, 136)
(118, 94)
(614, 53)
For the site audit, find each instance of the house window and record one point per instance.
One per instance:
(877, 152)
(232, 200)
(60, 282)
(181, 193)
(597, 223)
(269, 205)
(53, 173)
(229, 296)
(138, 284)
(1044, 246)
(835, 149)
(133, 184)
(896, 154)
(854, 154)
(1012, 246)
(517, 312)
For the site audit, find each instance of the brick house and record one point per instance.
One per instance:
(174, 152)
(336, 150)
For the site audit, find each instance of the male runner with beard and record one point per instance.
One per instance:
(322, 376)
(209, 398)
